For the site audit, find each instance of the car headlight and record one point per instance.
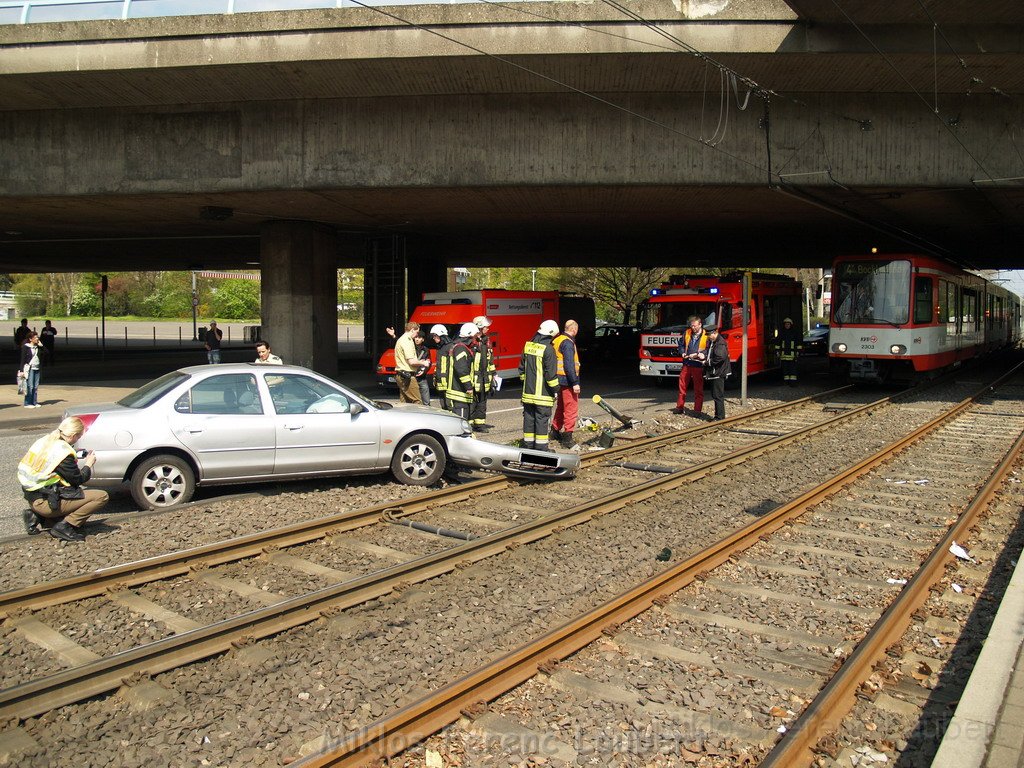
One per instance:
(840, 347)
(466, 427)
(898, 349)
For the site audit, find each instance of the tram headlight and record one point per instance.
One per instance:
(840, 347)
(898, 349)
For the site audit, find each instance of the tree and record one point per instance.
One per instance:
(622, 288)
(236, 300)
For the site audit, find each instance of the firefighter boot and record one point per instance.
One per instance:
(554, 436)
(566, 440)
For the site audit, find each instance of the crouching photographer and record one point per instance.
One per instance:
(51, 480)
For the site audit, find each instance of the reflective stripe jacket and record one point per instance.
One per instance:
(538, 368)
(567, 376)
(459, 380)
(483, 366)
(441, 371)
(789, 343)
(38, 467)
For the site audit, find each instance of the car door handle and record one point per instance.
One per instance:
(293, 427)
(195, 431)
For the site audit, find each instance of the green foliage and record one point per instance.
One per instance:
(236, 300)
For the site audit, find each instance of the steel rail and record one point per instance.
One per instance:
(826, 711)
(179, 563)
(390, 735)
(93, 678)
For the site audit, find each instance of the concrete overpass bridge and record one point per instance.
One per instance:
(410, 138)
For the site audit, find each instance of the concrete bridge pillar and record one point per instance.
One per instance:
(298, 261)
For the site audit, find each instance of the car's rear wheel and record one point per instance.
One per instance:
(162, 481)
(418, 460)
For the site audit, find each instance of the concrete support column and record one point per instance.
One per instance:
(299, 293)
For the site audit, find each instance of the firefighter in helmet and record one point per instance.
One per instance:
(458, 391)
(789, 343)
(538, 368)
(439, 337)
(483, 374)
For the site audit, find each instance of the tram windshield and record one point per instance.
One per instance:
(871, 292)
(674, 316)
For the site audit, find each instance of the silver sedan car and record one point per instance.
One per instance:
(241, 423)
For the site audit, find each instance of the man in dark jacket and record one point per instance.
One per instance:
(459, 382)
(441, 342)
(718, 368)
(568, 365)
(789, 343)
(538, 368)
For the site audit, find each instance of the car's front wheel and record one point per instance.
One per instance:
(418, 460)
(162, 481)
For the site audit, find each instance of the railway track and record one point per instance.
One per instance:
(98, 675)
(797, 608)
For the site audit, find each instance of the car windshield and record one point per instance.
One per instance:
(149, 393)
(872, 292)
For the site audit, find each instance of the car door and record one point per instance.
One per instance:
(222, 421)
(314, 429)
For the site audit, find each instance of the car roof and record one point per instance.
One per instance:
(243, 367)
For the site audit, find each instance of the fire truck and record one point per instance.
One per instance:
(664, 317)
(515, 317)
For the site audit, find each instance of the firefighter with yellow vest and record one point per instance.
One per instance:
(483, 374)
(538, 368)
(458, 391)
(568, 368)
(439, 335)
(789, 343)
(51, 478)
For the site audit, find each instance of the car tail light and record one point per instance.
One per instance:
(88, 419)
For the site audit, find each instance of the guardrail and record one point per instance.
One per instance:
(39, 11)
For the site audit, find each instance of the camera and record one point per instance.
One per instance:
(81, 453)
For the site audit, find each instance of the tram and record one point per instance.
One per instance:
(897, 317)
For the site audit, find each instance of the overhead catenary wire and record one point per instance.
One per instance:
(556, 81)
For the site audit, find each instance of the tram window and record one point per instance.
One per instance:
(969, 311)
(923, 307)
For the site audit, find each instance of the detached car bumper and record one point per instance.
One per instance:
(508, 460)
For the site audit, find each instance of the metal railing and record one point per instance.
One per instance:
(39, 11)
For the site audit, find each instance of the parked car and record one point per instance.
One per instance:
(220, 424)
(613, 342)
(816, 341)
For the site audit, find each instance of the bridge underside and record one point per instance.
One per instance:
(781, 225)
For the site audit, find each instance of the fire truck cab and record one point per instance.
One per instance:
(664, 317)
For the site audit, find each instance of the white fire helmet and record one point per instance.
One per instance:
(438, 330)
(548, 328)
(468, 329)
(481, 322)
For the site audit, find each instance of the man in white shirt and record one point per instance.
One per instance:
(407, 364)
(264, 356)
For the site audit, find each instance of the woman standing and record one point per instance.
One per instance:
(30, 361)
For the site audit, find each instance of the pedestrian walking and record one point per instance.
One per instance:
(213, 338)
(49, 338)
(21, 333)
(563, 423)
(31, 361)
(538, 368)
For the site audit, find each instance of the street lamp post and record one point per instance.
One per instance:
(195, 305)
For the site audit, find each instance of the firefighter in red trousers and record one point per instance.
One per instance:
(568, 366)
(538, 370)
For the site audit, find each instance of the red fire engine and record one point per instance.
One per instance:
(515, 317)
(665, 316)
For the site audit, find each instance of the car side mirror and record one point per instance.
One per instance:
(355, 409)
